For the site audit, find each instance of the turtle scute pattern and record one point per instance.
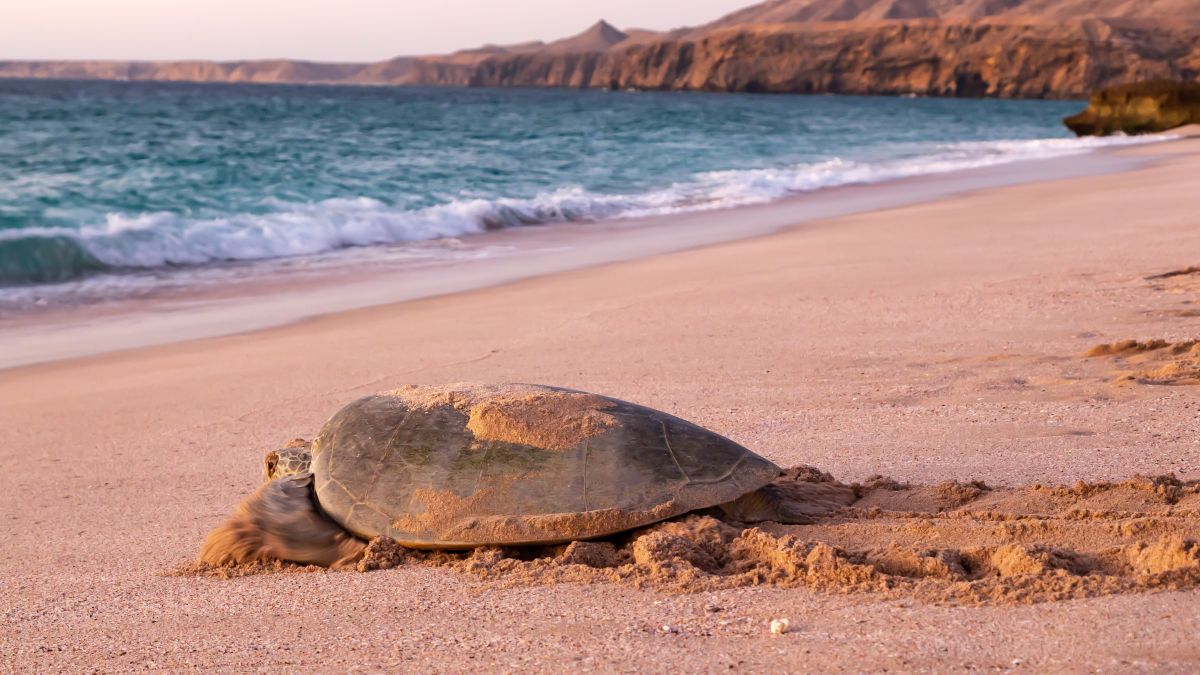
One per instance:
(467, 465)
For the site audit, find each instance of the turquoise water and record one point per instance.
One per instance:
(104, 182)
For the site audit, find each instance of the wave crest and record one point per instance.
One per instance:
(157, 240)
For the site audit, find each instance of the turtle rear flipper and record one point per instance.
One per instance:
(280, 521)
(767, 503)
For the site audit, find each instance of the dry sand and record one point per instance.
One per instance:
(957, 340)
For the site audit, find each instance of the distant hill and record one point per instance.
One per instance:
(1001, 48)
(281, 70)
(598, 38)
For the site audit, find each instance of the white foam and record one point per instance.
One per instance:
(732, 188)
(155, 240)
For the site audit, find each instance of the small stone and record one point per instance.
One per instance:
(780, 626)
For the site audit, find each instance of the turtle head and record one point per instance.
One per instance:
(281, 521)
(293, 459)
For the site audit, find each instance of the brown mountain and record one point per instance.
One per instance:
(1006, 48)
(808, 11)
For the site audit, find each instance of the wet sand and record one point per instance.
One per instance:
(258, 297)
(956, 340)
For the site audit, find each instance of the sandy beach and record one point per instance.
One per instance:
(926, 342)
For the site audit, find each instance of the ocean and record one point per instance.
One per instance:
(116, 189)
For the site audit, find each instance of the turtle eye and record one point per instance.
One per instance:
(271, 464)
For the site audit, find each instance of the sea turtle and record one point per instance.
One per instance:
(466, 465)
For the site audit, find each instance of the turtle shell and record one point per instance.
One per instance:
(468, 465)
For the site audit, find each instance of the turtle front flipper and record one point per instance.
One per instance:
(281, 521)
(768, 503)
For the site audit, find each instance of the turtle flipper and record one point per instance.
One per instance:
(767, 503)
(281, 521)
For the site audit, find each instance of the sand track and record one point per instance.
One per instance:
(950, 542)
(1190, 270)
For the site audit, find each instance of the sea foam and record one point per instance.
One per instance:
(165, 240)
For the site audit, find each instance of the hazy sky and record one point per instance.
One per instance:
(334, 30)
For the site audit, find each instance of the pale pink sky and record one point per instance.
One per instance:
(331, 30)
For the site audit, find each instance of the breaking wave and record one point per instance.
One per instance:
(163, 240)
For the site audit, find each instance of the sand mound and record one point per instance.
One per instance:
(947, 543)
(1153, 361)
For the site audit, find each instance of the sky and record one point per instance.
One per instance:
(327, 30)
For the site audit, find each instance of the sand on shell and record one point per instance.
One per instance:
(952, 542)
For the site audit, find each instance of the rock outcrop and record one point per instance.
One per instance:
(998, 48)
(1139, 108)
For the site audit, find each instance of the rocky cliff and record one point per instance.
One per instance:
(1001, 48)
(991, 57)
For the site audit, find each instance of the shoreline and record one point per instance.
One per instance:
(271, 301)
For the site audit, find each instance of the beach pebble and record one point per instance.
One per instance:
(780, 626)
